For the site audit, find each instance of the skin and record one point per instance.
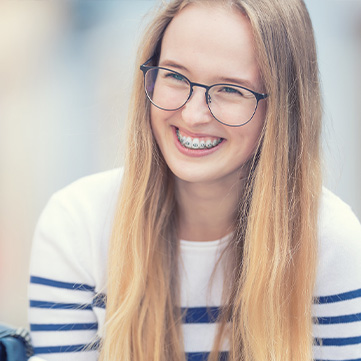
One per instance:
(206, 44)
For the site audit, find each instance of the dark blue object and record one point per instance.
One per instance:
(14, 344)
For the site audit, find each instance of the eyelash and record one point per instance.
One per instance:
(174, 75)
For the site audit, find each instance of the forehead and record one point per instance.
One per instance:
(210, 38)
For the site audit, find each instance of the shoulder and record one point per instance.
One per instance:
(337, 306)
(90, 199)
(72, 234)
(338, 225)
(339, 268)
(84, 210)
(91, 191)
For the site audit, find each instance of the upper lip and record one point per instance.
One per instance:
(196, 135)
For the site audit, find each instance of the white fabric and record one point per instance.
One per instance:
(71, 243)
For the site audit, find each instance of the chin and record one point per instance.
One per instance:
(198, 174)
(191, 175)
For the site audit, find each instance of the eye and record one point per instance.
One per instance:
(175, 76)
(231, 90)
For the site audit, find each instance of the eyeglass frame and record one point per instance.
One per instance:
(259, 96)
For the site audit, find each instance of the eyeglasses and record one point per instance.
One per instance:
(230, 104)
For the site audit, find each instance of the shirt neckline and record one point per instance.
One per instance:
(206, 244)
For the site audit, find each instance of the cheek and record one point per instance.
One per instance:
(249, 135)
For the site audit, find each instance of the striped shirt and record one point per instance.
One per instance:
(67, 288)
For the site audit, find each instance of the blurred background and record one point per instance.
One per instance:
(65, 76)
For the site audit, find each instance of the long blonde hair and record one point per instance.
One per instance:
(267, 311)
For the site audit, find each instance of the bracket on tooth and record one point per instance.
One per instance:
(195, 143)
(209, 144)
(188, 142)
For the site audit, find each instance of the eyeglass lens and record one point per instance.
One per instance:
(229, 104)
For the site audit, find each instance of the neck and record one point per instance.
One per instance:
(207, 211)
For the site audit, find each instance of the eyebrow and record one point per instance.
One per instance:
(228, 80)
(173, 65)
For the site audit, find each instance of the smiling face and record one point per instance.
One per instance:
(208, 45)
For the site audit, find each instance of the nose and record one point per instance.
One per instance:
(195, 111)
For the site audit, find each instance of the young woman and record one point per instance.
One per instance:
(223, 244)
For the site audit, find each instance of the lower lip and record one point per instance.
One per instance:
(194, 152)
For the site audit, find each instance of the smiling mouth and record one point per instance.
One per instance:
(199, 142)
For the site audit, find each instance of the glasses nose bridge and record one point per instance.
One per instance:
(206, 87)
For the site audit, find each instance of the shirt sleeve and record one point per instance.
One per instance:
(62, 291)
(337, 308)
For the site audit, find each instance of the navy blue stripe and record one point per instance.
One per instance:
(66, 348)
(63, 327)
(203, 356)
(59, 284)
(338, 341)
(337, 319)
(338, 298)
(60, 306)
(200, 314)
(99, 300)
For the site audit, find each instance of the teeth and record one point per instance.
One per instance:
(188, 142)
(195, 143)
